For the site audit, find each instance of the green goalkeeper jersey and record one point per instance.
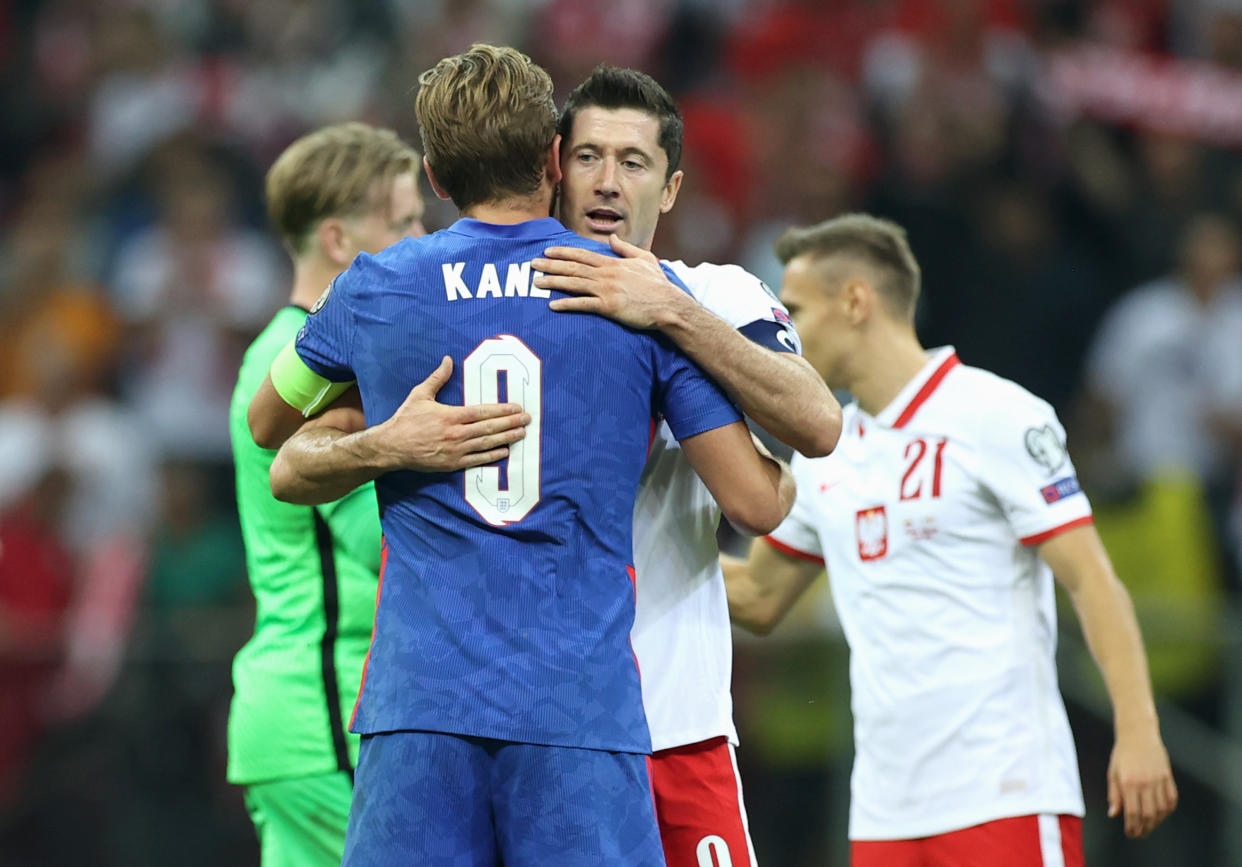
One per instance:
(313, 571)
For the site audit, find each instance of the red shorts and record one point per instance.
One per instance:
(698, 796)
(1023, 841)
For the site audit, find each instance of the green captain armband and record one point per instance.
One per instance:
(299, 386)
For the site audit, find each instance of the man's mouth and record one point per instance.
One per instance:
(603, 220)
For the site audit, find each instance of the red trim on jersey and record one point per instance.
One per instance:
(793, 552)
(367, 660)
(926, 391)
(698, 796)
(651, 437)
(1056, 531)
(629, 570)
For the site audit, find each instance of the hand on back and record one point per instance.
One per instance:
(630, 288)
(428, 436)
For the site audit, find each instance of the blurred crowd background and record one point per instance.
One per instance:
(1070, 176)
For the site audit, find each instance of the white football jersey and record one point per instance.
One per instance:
(681, 634)
(927, 516)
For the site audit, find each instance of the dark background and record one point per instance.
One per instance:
(1049, 159)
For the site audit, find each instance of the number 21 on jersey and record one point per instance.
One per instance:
(915, 479)
(523, 371)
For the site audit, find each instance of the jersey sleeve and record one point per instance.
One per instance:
(325, 340)
(774, 334)
(796, 536)
(1025, 465)
(299, 386)
(744, 301)
(690, 402)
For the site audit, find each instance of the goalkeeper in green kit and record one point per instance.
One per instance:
(332, 194)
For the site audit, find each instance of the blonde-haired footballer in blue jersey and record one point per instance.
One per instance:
(331, 194)
(501, 712)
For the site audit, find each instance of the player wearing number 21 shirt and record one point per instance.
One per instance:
(500, 707)
(942, 516)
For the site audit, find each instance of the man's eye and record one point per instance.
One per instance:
(633, 165)
(586, 158)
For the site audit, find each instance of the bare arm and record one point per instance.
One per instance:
(755, 491)
(335, 453)
(271, 420)
(1140, 780)
(780, 391)
(764, 587)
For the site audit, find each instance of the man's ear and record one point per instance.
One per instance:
(553, 167)
(859, 300)
(332, 242)
(435, 186)
(669, 198)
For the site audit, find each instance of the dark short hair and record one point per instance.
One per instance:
(616, 87)
(880, 244)
(487, 119)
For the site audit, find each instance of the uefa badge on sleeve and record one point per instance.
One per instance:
(1045, 447)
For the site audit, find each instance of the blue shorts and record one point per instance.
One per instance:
(439, 800)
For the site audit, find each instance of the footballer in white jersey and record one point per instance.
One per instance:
(682, 634)
(926, 516)
(621, 140)
(942, 516)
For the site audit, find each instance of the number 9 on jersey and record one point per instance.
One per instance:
(523, 371)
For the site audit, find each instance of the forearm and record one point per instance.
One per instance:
(760, 499)
(321, 464)
(1111, 629)
(762, 589)
(780, 391)
(749, 607)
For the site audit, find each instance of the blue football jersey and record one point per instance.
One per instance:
(506, 599)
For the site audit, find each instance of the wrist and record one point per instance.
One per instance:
(367, 448)
(677, 318)
(1136, 723)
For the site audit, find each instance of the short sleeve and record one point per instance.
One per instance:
(325, 341)
(1025, 465)
(774, 334)
(690, 402)
(797, 536)
(742, 300)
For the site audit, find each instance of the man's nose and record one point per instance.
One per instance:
(606, 183)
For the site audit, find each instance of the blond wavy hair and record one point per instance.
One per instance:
(341, 171)
(487, 119)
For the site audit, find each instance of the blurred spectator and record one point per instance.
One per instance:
(192, 289)
(1025, 299)
(1044, 156)
(146, 91)
(1165, 369)
(36, 574)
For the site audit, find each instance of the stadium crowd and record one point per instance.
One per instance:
(1068, 172)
